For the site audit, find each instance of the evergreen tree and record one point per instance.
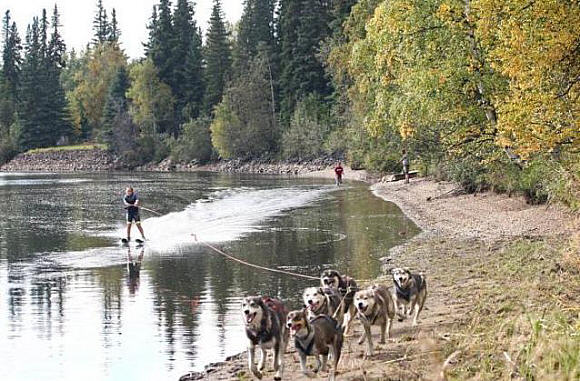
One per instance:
(56, 104)
(161, 39)
(304, 25)
(256, 32)
(56, 45)
(101, 25)
(43, 106)
(114, 31)
(217, 58)
(34, 132)
(186, 79)
(152, 27)
(10, 74)
(115, 105)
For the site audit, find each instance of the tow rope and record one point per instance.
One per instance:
(251, 264)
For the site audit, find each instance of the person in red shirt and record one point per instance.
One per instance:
(338, 173)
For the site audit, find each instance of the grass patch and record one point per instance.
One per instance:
(525, 322)
(69, 148)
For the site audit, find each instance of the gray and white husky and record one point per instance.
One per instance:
(321, 337)
(374, 307)
(409, 293)
(322, 301)
(264, 319)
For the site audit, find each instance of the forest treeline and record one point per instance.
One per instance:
(483, 92)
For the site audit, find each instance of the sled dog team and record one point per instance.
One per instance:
(319, 328)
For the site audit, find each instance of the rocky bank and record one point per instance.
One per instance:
(62, 161)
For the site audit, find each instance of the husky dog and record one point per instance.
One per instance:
(320, 337)
(409, 293)
(374, 307)
(346, 286)
(264, 319)
(321, 301)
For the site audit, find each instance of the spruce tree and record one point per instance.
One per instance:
(186, 79)
(55, 95)
(303, 26)
(101, 25)
(56, 45)
(161, 40)
(256, 32)
(217, 59)
(114, 31)
(11, 68)
(115, 105)
(33, 133)
(152, 28)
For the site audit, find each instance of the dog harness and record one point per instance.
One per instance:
(264, 334)
(406, 293)
(307, 344)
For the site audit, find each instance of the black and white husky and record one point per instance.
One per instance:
(346, 287)
(321, 337)
(264, 319)
(409, 293)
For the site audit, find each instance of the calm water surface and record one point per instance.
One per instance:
(74, 304)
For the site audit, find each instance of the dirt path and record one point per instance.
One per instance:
(461, 233)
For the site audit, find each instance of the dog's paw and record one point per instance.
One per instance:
(256, 373)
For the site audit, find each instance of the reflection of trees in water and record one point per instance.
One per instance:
(110, 281)
(178, 285)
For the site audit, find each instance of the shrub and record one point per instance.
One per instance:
(470, 173)
(535, 181)
(194, 143)
(309, 128)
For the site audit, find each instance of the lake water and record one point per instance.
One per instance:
(74, 304)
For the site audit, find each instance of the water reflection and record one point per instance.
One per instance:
(79, 304)
(134, 269)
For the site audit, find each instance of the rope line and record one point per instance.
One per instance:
(251, 264)
(150, 210)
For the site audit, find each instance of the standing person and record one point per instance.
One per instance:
(131, 202)
(405, 161)
(338, 173)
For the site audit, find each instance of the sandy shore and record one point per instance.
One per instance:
(441, 208)
(458, 229)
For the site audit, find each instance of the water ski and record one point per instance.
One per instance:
(138, 241)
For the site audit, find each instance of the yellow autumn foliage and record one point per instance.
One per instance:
(536, 46)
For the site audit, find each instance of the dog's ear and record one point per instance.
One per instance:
(321, 290)
(392, 270)
(407, 270)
